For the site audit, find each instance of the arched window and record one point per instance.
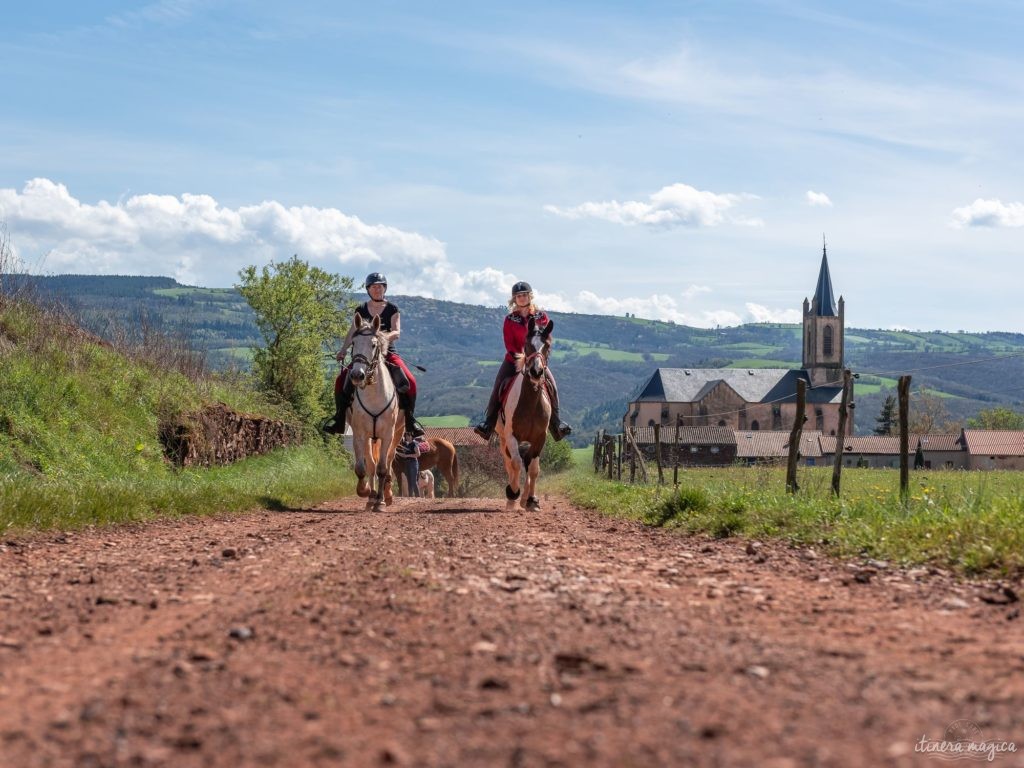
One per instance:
(650, 422)
(754, 425)
(721, 422)
(827, 341)
(819, 420)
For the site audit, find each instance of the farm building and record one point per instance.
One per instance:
(772, 447)
(993, 449)
(757, 398)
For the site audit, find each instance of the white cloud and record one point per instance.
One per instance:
(989, 213)
(818, 199)
(196, 240)
(761, 314)
(671, 206)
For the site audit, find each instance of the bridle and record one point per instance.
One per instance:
(372, 363)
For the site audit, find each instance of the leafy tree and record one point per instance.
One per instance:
(298, 309)
(556, 456)
(997, 418)
(888, 418)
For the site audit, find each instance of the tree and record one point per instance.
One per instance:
(888, 418)
(997, 418)
(298, 309)
(928, 414)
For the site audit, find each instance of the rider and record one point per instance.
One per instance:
(376, 286)
(520, 311)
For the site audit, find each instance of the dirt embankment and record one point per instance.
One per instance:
(449, 633)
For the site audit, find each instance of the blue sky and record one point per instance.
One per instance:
(676, 160)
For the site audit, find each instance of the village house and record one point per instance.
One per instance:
(757, 398)
(772, 447)
(993, 449)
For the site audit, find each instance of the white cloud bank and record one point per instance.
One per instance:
(677, 205)
(989, 213)
(818, 199)
(198, 241)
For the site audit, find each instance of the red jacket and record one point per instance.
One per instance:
(514, 332)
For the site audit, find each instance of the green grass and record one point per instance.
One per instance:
(452, 420)
(280, 480)
(760, 362)
(970, 522)
(79, 442)
(602, 351)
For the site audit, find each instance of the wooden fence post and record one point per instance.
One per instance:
(618, 473)
(837, 465)
(794, 436)
(598, 447)
(609, 452)
(904, 393)
(675, 454)
(657, 453)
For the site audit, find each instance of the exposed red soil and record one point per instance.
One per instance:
(450, 633)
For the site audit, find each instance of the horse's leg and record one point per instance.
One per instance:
(530, 500)
(373, 498)
(359, 449)
(513, 468)
(388, 459)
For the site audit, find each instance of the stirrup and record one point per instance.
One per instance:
(561, 431)
(484, 430)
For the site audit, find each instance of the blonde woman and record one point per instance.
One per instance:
(521, 310)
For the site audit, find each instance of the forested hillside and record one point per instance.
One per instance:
(599, 360)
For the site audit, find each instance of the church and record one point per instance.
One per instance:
(757, 398)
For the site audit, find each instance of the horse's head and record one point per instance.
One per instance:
(537, 349)
(369, 345)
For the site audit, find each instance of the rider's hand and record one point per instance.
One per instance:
(340, 356)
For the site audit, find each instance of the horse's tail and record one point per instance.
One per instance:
(524, 451)
(454, 490)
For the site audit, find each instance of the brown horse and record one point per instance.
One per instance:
(441, 456)
(523, 424)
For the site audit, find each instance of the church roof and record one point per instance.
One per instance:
(824, 302)
(754, 385)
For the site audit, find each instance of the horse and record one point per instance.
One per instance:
(376, 419)
(442, 455)
(523, 422)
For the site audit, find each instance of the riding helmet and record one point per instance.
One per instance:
(521, 287)
(375, 278)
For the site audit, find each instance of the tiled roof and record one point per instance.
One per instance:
(455, 435)
(878, 445)
(994, 442)
(936, 442)
(754, 385)
(768, 443)
(687, 435)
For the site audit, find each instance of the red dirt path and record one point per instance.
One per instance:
(449, 633)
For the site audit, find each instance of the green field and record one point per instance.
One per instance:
(603, 351)
(453, 420)
(760, 362)
(972, 522)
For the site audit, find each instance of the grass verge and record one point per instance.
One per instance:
(970, 522)
(284, 479)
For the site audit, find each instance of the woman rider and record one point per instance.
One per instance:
(376, 286)
(521, 310)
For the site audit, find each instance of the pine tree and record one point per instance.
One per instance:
(887, 418)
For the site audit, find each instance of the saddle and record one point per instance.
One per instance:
(506, 387)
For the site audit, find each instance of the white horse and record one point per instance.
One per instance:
(374, 414)
(523, 424)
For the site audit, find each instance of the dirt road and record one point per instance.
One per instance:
(451, 634)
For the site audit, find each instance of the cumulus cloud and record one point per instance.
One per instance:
(199, 241)
(818, 199)
(989, 213)
(677, 205)
(761, 314)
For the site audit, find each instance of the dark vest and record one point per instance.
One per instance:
(390, 311)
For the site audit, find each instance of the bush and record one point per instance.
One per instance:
(682, 504)
(556, 456)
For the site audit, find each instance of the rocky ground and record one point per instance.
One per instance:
(449, 633)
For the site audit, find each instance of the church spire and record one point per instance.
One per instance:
(824, 303)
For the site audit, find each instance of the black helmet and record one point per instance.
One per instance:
(521, 287)
(375, 278)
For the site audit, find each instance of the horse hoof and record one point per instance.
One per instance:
(532, 504)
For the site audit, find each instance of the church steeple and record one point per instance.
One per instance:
(824, 325)
(824, 303)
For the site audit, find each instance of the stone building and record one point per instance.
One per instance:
(758, 398)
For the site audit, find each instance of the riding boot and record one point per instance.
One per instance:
(342, 401)
(408, 404)
(398, 376)
(556, 426)
(486, 427)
